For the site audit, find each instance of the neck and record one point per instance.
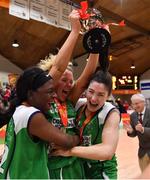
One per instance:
(59, 100)
(87, 112)
(25, 103)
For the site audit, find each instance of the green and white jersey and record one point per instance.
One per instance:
(92, 134)
(23, 158)
(54, 118)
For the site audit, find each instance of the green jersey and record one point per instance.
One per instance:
(54, 118)
(64, 167)
(23, 158)
(92, 134)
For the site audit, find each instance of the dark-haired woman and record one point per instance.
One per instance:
(62, 115)
(98, 122)
(25, 153)
(61, 61)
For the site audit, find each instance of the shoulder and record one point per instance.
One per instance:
(147, 112)
(108, 109)
(22, 115)
(133, 114)
(80, 103)
(24, 111)
(109, 106)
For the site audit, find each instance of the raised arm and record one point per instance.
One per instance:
(41, 128)
(83, 80)
(64, 55)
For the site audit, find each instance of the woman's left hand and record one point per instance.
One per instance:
(61, 152)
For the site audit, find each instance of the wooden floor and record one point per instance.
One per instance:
(126, 154)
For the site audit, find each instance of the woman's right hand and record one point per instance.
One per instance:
(75, 21)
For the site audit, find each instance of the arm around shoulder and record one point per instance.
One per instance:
(41, 128)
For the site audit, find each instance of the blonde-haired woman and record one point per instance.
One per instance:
(62, 114)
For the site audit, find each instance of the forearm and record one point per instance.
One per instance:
(83, 80)
(64, 56)
(131, 132)
(89, 69)
(94, 152)
(68, 141)
(40, 127)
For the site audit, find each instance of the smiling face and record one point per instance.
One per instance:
(42, 97)
(97, 94)
(138, 105)
(64, 86)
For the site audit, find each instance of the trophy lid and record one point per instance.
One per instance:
(96, 40)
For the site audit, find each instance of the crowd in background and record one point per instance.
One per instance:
(6, 94)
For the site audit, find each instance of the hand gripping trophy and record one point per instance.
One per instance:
(97, 38)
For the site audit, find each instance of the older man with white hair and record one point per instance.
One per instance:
(140, 126)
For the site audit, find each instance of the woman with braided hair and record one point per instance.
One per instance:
(98, 123)
(25, 153)
(61, 61)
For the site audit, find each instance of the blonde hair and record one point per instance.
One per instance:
(47, 63)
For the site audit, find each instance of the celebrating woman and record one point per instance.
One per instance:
(98, 123)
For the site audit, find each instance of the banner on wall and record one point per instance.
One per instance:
(64, 11)
(145, 88)
(145, 85)
(19, 8)
(37, 10)
(53, 12)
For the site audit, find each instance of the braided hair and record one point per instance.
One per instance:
(31, 79)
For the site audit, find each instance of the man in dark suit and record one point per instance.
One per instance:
(140, 126)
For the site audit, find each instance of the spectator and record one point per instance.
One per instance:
(140, 126)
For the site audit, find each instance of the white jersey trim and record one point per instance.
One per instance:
(22, 115)
(80, 103)
(102, 115)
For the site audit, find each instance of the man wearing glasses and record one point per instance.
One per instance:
(140, 126)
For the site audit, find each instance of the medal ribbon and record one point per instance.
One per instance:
(86, 121)
(62, 110)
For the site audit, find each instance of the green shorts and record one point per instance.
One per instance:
(73, 171)
(100, 170)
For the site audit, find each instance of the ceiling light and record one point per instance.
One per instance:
(132, 66)
(110, 58)
(15, 44)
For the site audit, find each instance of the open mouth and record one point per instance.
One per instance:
(93, 105)
(66, 93)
